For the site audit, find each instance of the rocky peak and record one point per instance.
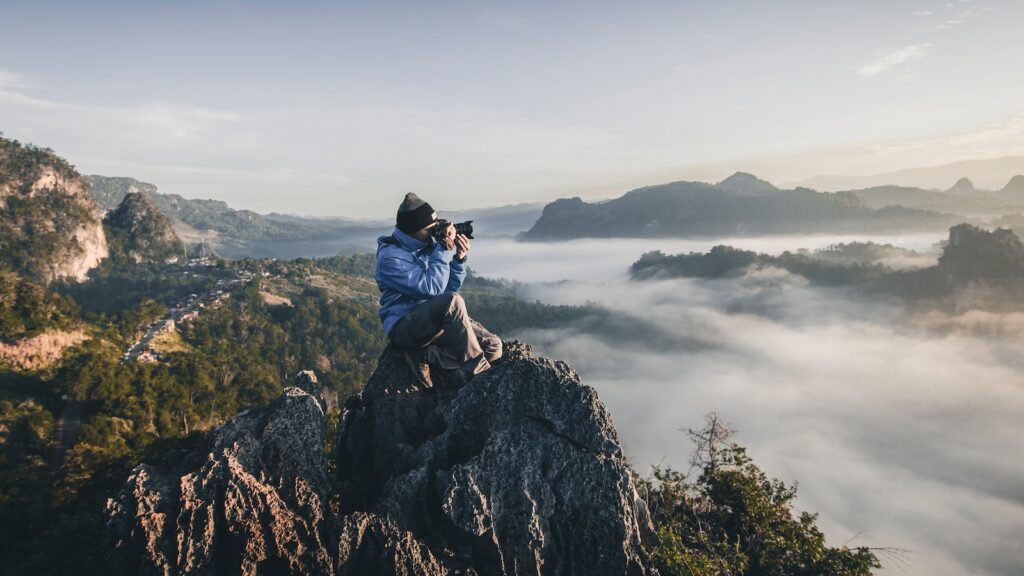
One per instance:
(519, 471)
(50, 227)
(962, 186)
(1014, 186)
(746, 183)
(141, 232)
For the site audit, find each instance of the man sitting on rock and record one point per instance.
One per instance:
(420, 306)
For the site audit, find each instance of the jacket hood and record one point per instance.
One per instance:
(404, 240)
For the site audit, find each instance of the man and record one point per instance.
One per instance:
(420, 306)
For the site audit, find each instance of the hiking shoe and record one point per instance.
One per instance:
(417, 360)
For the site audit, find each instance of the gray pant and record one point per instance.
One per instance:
(451, 338)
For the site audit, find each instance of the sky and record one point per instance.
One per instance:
(339, 108)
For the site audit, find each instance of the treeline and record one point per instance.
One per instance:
(985, 267)
(727, 261)
(28, 309)
(229, 359)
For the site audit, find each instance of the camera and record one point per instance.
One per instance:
(464, 228)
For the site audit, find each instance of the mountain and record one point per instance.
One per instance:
(243, 233)
(962, 198)
(139, 232)
(500, 476)
(688, 209)
(50, 227)
(1015, 186)
(202, 215)
(987, 173)
(109, 192)
(962, 187)
(746, 183)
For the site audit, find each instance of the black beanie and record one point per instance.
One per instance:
(414, 214)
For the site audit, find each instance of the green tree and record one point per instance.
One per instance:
(734, 520)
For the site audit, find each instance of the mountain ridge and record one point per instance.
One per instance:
(698, 209)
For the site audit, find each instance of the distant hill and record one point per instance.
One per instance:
(138, 232)
(205, 215)
(986, 173)
(978, 268)
(962, 198)
(962, 187)
(746, 183)
(49, 224)
(688, 209)
(1014, 188)
(243, 233)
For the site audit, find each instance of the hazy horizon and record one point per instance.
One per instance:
(338, 109)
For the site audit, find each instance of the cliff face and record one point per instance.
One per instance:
(517, 472)
(50, 226)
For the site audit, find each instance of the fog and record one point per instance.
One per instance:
(903, 429)
(605, 259)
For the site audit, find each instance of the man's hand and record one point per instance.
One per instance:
(461, 247)
(448, 238)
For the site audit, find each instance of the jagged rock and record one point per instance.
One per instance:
(369, 544)
(251, 500)
(518, 472)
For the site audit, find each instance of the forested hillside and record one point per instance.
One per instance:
(987, 267)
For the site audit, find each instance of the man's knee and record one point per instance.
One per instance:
(495, 349)
(453, 302)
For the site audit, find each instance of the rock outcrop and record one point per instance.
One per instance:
(519, 471)
(252, 499)
(50, 227)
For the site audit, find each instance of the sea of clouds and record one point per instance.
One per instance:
(904, 429)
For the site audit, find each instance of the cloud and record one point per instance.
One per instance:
(1003, 138)
(177, 121)
(900, 424)
(174, 121)
(11, 80)
(960, 18)
(887, 60)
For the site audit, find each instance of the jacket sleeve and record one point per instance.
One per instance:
(408, 277)
(456, 277)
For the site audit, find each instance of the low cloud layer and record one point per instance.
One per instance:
(903, 430)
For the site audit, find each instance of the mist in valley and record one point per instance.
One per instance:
(902, 427)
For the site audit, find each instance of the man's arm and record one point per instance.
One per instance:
(458, 267)
(408, 277)
(456, 276)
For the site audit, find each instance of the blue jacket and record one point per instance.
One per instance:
(410, 272)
